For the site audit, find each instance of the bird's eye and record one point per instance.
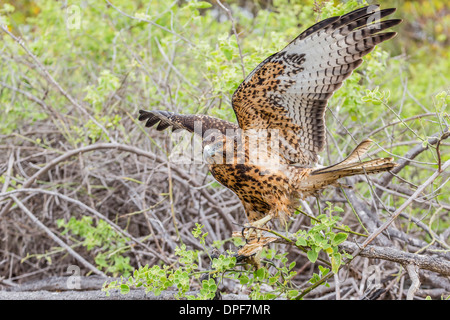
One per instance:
(213, 138)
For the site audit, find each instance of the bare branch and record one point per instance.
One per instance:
(385, 225)
(87, 208)
(55, 238)
(440, 266)
(151, 22)
(411, 154)
(228, 11)
(52, 80)
(413, 272)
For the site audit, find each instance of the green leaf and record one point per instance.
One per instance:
(200, 5)
(272, 280)
(269, 296)
(312, 255)
(339, 238)
(301, 242)
(124, 289)
(348, 255)
(244, 280)
(227, 52)
(292, 293)
(261, 273)
(314, 278)
(318, 237)
(323, 271)
(335, 262)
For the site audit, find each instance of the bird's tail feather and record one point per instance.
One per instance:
(352, 165)
(351, 169)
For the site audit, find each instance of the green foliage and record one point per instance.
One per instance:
(277, 274)
(318, 276)
(92, 131)
(322, 237)
(197, 233)
(107, 244)
(97, 95)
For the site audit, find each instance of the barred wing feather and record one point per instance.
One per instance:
(289, 90)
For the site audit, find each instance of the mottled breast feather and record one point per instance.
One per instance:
(289, 90)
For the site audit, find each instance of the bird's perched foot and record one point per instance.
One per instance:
(252, 230)
(250, 253)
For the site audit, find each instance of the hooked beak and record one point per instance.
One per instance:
(208, 154)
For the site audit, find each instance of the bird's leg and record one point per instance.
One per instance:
(254, 227)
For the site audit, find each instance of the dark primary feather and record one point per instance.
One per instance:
(163, 118)
(198, 124)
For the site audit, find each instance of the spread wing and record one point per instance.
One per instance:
(289, 90)
(198, 123)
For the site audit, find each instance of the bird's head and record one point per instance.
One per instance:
(216, 149)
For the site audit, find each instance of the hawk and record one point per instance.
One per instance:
(281, 105)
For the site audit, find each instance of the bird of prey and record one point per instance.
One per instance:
(281, 105)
